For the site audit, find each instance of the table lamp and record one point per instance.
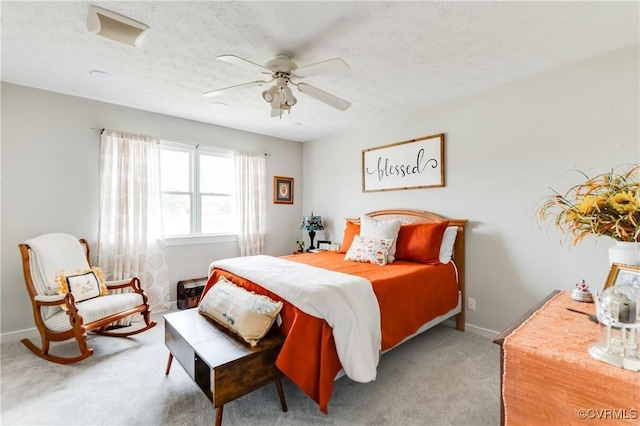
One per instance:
(312, 224)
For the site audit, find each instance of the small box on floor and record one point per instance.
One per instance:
(189, 292)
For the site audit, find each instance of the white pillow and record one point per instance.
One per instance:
(370, 227)
(245, 313)
(446, 247)
(369, 250)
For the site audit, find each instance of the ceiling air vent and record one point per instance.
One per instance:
(116, 27)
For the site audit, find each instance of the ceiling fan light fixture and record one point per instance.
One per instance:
(289, 99)
(275, 101)
(270, 94)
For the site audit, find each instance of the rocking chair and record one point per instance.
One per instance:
(60, 317)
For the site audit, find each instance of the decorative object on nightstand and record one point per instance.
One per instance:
(581, 293)
(312, 224)
(608, 205)
(300, 245)
(324, 244)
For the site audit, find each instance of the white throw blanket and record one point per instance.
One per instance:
(346, 302)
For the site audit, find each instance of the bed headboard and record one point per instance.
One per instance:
(419, 216)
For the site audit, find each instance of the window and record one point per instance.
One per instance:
(198, 190)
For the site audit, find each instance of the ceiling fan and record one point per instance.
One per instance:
(285, 72)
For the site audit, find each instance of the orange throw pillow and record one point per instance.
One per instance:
(350, 231)
(421, 242)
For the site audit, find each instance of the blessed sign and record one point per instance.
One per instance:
(418, 163)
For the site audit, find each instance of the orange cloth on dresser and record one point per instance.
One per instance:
(549, 376)
(308, 356)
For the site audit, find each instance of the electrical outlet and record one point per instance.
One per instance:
(471, 304)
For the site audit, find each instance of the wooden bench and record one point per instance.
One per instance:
(222, 365)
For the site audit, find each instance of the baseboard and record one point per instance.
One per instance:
(485, 332)
(16, 336)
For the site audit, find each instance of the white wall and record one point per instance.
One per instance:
(503, 147)
(50, 182)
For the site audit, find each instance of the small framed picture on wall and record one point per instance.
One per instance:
(282, 190)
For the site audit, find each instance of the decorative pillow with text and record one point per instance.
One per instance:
(84, 285)
(245, 313)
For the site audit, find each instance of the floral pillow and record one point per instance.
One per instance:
(369, 250)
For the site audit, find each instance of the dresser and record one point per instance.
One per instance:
(548, 376)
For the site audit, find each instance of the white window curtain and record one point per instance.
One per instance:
(251, 190)
(130, 240)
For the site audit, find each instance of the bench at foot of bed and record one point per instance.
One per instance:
(221, 364)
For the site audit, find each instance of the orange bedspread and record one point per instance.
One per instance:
(409, 295)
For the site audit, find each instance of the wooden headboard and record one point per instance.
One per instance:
(409, 216)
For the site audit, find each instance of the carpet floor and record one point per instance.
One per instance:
(441, 377)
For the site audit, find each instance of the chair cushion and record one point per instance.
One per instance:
(96, 309)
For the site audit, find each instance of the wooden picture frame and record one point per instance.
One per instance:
(623, 274)
(413, 164)
(282, 190)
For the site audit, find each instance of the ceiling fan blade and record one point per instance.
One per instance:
(234, 88)
(325, 67)
(236, 60)
(325, 97)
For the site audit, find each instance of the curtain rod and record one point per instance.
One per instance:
(197, 145)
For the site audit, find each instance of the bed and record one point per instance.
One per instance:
(412, 297)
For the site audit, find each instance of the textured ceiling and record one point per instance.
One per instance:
(403, 55)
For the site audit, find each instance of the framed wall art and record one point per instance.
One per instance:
(282, 190)
(418, 163)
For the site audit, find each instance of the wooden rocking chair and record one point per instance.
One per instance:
(59, 317)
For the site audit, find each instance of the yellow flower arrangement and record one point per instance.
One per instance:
(605, 205)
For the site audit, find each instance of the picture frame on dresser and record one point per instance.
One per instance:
(620, 274)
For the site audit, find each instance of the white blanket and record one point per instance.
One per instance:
(346, 302)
